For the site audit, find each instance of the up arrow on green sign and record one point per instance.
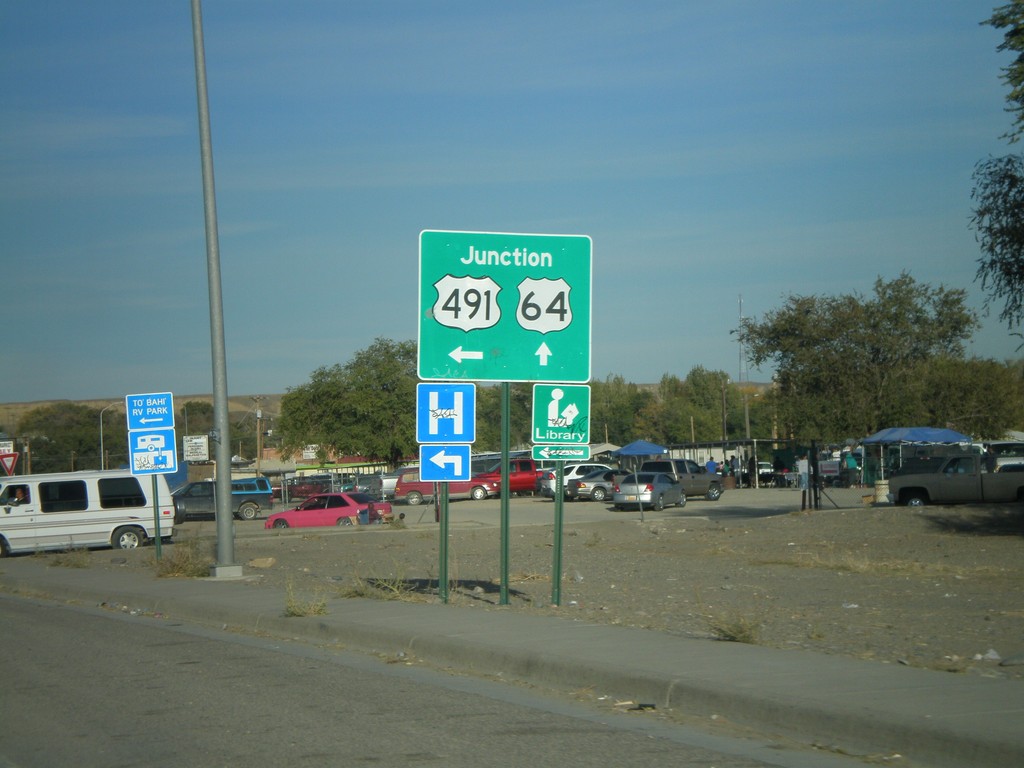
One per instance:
(561, 414)
(504, 307)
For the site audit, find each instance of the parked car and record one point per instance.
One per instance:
(652, 489)
(696, 480)
(382, 486)
(304, 486)
(360, 483)
(954, 480)
(595, 486)
(1007, 452)
(249, 495)
(569, 472)
(765, 473)
(522, 476)
(326, 509)
(415, 491)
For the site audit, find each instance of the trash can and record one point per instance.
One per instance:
(729, 482)
(881, 491)
(364, 517)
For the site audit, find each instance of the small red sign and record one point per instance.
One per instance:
(8, 460)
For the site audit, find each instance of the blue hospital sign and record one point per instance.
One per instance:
(445, 413)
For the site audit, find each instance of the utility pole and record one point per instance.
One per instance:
(258, 399)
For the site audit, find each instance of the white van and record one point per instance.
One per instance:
(81, 509)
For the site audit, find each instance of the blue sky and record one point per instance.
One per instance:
(712, 151)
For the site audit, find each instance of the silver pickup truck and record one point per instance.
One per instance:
(957, 480)
(696, 480)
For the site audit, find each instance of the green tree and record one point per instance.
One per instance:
(998, 195)
(980, 398)
(998, 221)
(707, 392)
(614, 406)
(488, 417)
(65, 436)
(366, 407)
(849, 365)
(1011, 18)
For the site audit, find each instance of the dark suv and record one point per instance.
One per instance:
(248, 496)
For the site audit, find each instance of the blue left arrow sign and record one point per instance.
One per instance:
(444, 463)
(152, 411)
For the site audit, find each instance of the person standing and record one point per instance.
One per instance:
(990, 459)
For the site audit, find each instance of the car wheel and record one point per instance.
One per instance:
(682, 500)
(344, 521)
(478, 493)
(598, 494)
(714, 492)
(128, 537)
(660, 503)
(248, 511)
(413, 498)
(280, 523)
(916, 500)
(179, 518)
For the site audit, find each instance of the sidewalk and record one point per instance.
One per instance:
(856, 707)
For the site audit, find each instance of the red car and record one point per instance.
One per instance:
(331, 509)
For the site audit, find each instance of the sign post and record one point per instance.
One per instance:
(445, 428)
(152, 446)
(504, 307)
(561, 421)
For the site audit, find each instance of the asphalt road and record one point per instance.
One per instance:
(93, 687)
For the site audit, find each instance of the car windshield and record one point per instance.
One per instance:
(361, 498)
(643, 477)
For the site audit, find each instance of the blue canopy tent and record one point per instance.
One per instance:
(912, 436)
(640, 448)
(926, 435)
(635, 452)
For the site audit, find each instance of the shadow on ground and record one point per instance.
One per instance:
(476, 589)
(992, 520)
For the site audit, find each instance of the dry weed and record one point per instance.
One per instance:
(296, 606)
(71, 558)
(184, 559)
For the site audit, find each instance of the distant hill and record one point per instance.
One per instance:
(238, 407)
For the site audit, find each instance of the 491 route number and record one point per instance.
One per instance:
(471, 303)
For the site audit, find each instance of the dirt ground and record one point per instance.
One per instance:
(933, 587)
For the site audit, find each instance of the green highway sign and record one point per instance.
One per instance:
(561, 453)
(504, 307)
(561, 414)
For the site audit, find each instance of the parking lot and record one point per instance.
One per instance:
(539, 510)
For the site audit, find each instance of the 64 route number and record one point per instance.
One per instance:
(472, 303)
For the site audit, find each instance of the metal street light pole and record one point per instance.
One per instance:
(225, 566)
(103, 458)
